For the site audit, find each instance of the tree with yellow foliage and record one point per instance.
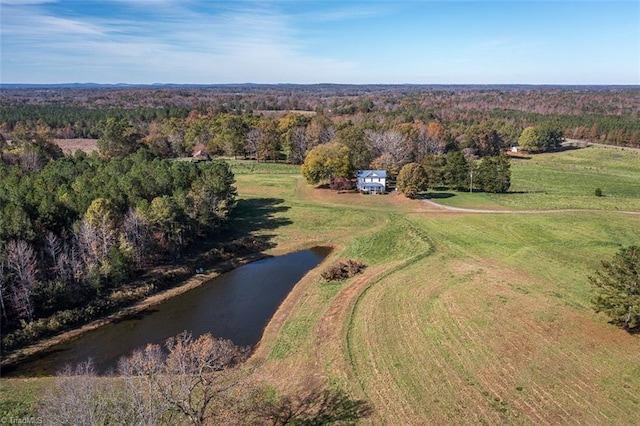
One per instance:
(326, 162)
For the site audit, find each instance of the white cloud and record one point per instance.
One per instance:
(341, 12)
(252, 43)
(24, 2)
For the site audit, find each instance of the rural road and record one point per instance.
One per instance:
(584, 143)
(463, 210)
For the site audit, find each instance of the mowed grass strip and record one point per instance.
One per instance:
(477, 334)
(559, 249)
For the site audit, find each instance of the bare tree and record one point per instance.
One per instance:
(194, 381)
(77, 398)
(390, 142)
(70, 265)
(140, 401)
(427, 144)
(136, 235)
(86, 238)
(22, 262)
(252, 140)
(3, 288)
(72, 268)
(188, 380)
(30, 160)
(300, 145)
(53, 247)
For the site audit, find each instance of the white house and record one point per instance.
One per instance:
(372, 181)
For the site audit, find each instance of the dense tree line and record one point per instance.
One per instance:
(599, 114)
(69, 122)
(75, 229)
(327, 148)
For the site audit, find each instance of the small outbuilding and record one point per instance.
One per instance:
(201, 155)
(372, 181)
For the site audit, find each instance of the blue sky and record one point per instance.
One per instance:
(288, 41)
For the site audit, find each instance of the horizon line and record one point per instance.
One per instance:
(122, 84)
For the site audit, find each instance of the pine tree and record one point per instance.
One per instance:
(494, 174)
(618, 285)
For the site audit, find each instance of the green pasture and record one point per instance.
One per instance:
(563, 180)
(477, 318)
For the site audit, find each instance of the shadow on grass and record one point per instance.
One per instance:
(315, 406)
(258, 214)
(437, 195)
(525, 192)
(238, 236)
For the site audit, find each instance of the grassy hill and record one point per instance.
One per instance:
(466, 318)
(459, 317)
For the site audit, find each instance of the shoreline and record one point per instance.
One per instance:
(19, 355)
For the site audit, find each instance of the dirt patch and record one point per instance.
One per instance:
(385, 202)
(69, 146)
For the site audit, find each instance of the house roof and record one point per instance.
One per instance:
(372, 173)
(200, 153)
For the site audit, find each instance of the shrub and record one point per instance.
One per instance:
(342, 184)
(343, 269)
(598, 192)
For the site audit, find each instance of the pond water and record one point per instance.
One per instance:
(236, 305)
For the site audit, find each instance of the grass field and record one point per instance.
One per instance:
(566, 180)
(463, 318)
(459, 318)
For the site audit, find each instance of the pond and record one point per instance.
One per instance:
(236, 305)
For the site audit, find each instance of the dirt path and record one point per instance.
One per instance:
(599, 145)
(465, 210)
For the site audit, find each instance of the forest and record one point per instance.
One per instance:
(604, 114)
(75, 229)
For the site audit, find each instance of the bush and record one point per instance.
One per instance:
(342, 184)
(343, 269)
(598, 192)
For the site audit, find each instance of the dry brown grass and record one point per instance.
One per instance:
(70, 146)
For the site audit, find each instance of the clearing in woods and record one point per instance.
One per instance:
(70, 146)
(459, 317)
